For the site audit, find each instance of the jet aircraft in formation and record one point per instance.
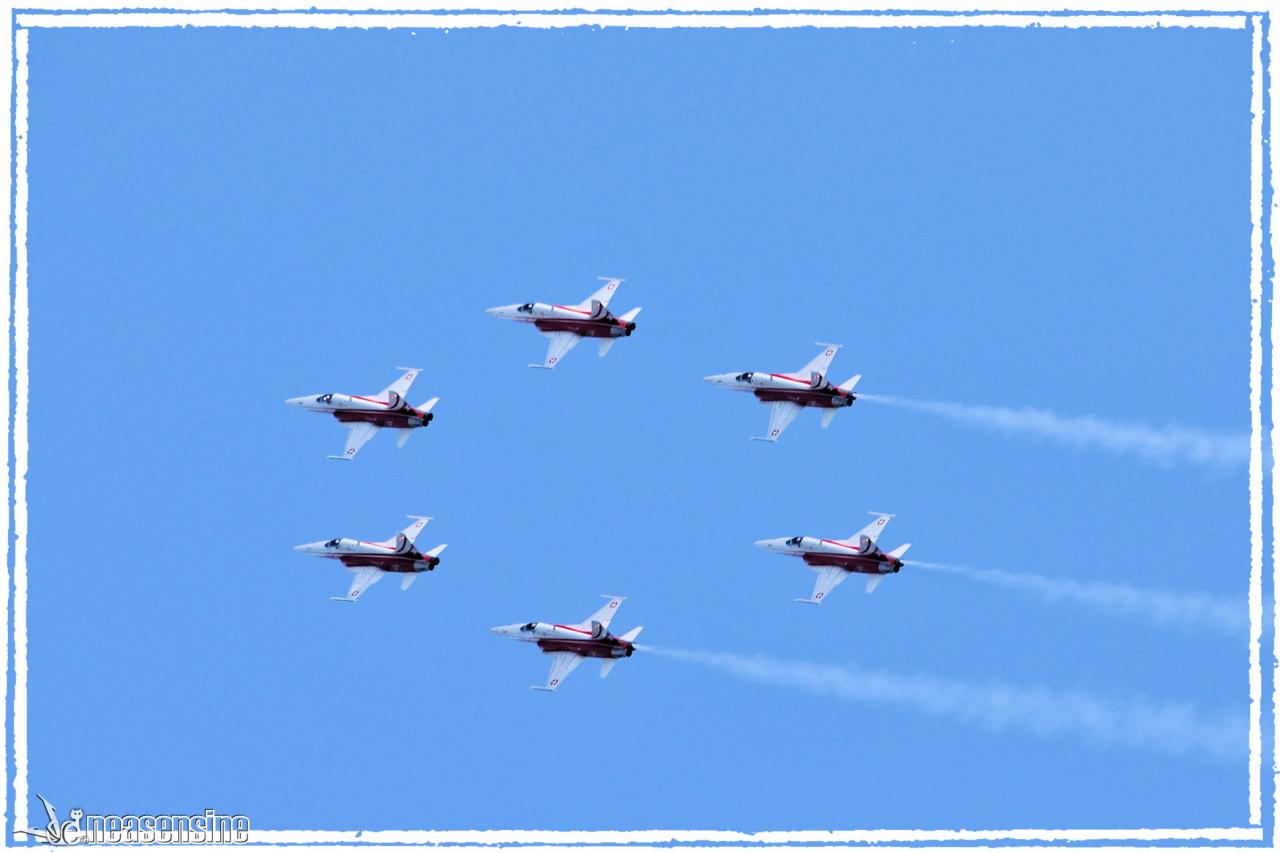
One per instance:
(566, 325)
(570, 644)
(365, 415)
(836, 559)
(787, 394)
(371, 560)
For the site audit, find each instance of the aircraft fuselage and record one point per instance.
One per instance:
(397, 556)
(608, 647)
(411, 563)
(405, 418)
(606, 326)
(864, 557)
(552, 638)
(878, 563)
(824, 398)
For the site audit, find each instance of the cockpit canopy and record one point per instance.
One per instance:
(528, 628)
(333, 542)
(743, 377)
(794, 540)
(526, 308)
(324, 400)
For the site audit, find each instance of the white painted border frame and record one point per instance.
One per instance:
(659, 15)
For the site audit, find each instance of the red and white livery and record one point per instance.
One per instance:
(787, 394)
(365, 415)
(371, 560)
(570, 644)
(836, 559)
(566, 325)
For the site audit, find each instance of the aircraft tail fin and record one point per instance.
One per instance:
(630, 635)
(607, 666)
(604, 294)
(412, 531)
(849, 384)
(899, 552)
(407, 582)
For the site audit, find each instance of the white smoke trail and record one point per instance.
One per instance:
(1160, 606)
(1165, 446)
(1136, 722)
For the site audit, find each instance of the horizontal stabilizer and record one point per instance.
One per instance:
(806, 600)
(339, 458)
(899, 552)
(849, 385)
(607, 666)
(349, 600)
(753, 437)
(873, 580)
(828, 416)
(630, 316)
(544, 688)
(428, 405)
(606, 344)
(407, 582)
(630, 635)
(437, 550)
(542, 367)
(402, 436)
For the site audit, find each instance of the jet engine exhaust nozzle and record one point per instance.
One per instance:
(630, 328)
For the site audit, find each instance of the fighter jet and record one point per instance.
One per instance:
(835, 560)
(365, 415)
(570, 644)
(566, 325)
(370, 560)
(787, 393)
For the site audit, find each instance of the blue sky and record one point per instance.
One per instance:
(221, 219)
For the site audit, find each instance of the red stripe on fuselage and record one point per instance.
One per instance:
(839, 544)
(789, 378)
(366, 399)
(575, 310)
(574, 629)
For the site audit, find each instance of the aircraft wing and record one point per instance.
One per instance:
(562, 664)
(820, 363)
(561, 343)
(604, 294)
(411, 531)
(605, 613)
(402, 384)
(780, 416)
(828, 579)
(873, 529)
(363, 578)
(358, 434)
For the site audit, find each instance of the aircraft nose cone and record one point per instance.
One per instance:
(297, 400)
(497, 630)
